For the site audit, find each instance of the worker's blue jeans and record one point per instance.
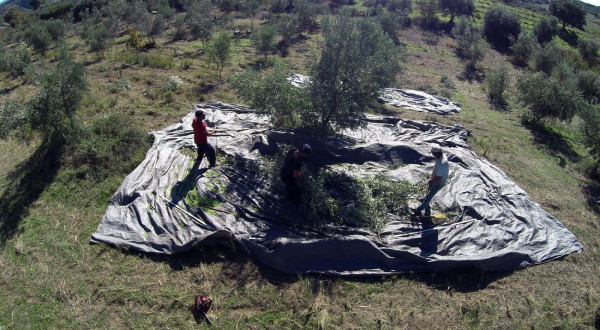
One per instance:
(425, 204)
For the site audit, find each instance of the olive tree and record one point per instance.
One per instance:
(357, 59)
(52, 110)
(219, 50)
(569, 12)
(457, 8)
(500, 25)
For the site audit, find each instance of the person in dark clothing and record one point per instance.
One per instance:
(201, 140)
(292, 171)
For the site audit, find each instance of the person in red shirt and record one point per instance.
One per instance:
(201, 140)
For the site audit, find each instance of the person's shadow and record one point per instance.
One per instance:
(183, 187)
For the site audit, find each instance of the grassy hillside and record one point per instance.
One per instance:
(51, 277)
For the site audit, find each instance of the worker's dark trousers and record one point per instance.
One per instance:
(291, 188)
(209, 150)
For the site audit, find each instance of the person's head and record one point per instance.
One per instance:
(305, 150)
(199, 114)
(436, 152)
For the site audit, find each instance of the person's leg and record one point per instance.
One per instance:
(212, 154)
(425, 204)
(200, 153)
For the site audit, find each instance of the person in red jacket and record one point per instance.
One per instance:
(201, 139)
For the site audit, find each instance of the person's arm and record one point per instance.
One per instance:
(434, 180)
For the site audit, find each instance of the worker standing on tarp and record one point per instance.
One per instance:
(292, 171)
(439, 176)
(201, 140)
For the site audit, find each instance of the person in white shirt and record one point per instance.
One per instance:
(439, 176)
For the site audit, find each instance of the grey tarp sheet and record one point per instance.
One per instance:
(499, 226)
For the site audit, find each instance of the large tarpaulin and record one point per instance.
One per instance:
(498, 227)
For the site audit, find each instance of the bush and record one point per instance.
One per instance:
(56, 29)
(546, 58)
(15, 62)
(495, 85)
(97, 38)
(264, 39)
(569, 12)
(500, 25)
(588, 82)
(590, 129)
(286, 107)
(219, 51)
(548, 98)
(429, 10)
(468, 39)
(546, 29)
(174, 83)
(588, 49)
(108, 146)
(38, 37)
(523, 48)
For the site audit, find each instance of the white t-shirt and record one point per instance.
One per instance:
(441, 169)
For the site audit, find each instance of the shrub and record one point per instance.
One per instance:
(457, 8)
(56, 29)
(447, 82)
(285, 107)
(588, 82)
(590, 129)
(174, 83)
(495, 85)
(500, 24)
(588, 49)
(107, 146)
(264, 39)
(37, 36)
(15, 62)
(97, 38)
(429, 10)
(523, 48)
(468, 39)
(389, 24)
(134, 41)
(546, 58)
(548, 98)
(546, 29)
(219, 51)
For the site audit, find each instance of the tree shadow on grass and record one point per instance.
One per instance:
(24, 186)
(556, 144)
(569, 37)
(592, 194)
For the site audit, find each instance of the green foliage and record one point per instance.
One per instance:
(180, 31)
(389, 24)
(14, 62)
(56, 28)
(546, 29)
(134, 41)
(14, 16)
(37, 36)
(158, 27)
(356, 60)
(469, 40)
(106, 146)
(588, 82)
(588, 49)
(496, 82)
(288, 27)
(51, 112)
(264, 39)
(429, 10)
(198, 19)
(523, 48)
(500, 25)
(457, 7)
(307, 12)
(219, 51)
(546, 58)
(330, 197)
(271, 93)
(590, 129)
(569, 12)
(251, 8)
(97, 38)
(548, 98)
